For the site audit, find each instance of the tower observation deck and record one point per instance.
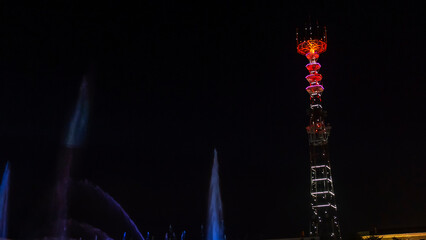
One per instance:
(311, 42)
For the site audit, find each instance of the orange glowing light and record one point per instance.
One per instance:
(398, 235)
(311, 46)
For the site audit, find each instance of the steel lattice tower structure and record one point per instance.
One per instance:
(311, 42)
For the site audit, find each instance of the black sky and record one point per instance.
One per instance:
(170, 81)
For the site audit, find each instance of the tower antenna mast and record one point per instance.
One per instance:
(311, 42)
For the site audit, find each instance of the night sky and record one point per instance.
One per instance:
(169, 81)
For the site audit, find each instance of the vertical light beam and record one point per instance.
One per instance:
(215, 228)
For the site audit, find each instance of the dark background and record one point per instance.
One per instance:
(170, 81)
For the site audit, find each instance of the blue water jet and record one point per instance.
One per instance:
(76, 134)
(4, 192)
(215, 228)
(78, 124)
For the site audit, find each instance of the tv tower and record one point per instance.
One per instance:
(311, 42)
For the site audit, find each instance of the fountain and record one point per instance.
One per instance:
(215, 228)
(4, 190)
(75, 138)
(111, 201)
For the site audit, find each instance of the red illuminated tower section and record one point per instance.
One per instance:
(311, 42)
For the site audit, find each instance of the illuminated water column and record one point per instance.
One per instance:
(4, 195)
(311, 42)
(215, 227)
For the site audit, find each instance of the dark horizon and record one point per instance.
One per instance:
(169, 82)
